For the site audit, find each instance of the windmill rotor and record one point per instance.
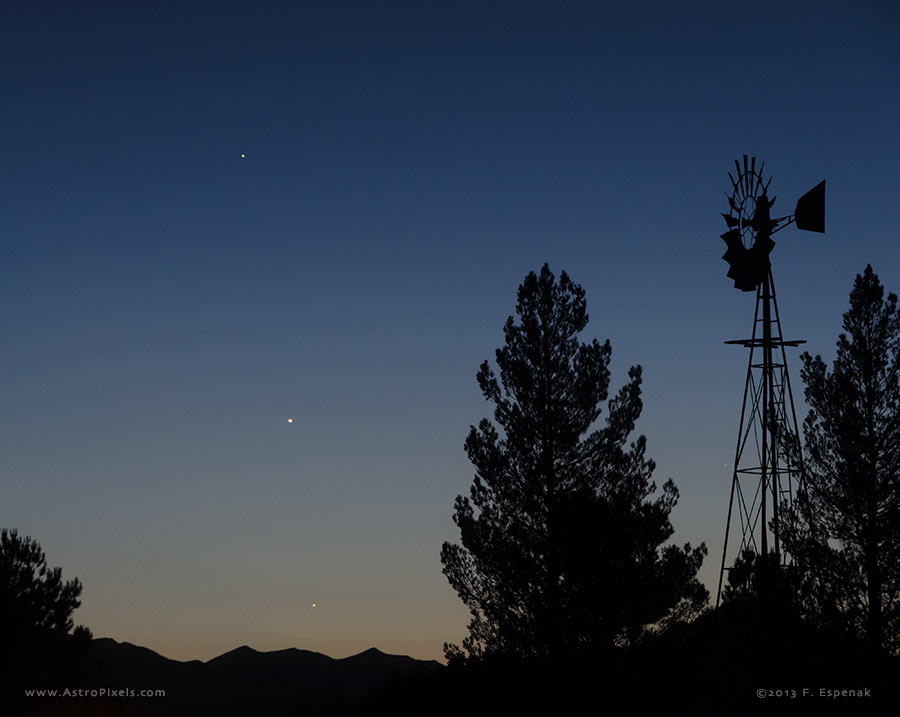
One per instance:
(748, 238)
(750, 225)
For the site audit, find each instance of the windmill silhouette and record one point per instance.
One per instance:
(766, 472)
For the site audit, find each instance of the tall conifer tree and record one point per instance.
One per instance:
(561, 540)
(845, 528)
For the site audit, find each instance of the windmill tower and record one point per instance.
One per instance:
(765, 473)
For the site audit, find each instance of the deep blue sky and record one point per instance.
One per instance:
(168, 304)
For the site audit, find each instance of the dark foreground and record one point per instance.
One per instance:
(722, 663)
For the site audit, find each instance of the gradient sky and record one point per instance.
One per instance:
(167, 303)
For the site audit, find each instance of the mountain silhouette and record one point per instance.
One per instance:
(245, 680)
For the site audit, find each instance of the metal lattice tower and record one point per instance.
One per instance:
(766, 472)
(764, 476)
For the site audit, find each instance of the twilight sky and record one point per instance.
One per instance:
(218, 216)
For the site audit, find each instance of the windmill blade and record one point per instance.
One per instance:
(731, 221)
(734, 255)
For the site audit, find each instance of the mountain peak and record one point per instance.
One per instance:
(237, 653)
(243, 649)
(374, 656)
